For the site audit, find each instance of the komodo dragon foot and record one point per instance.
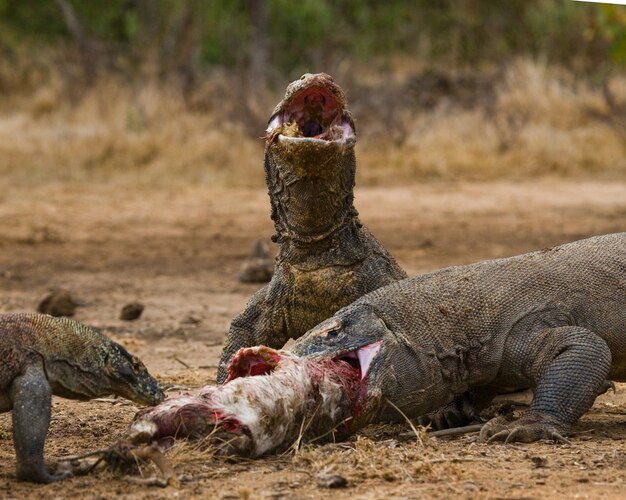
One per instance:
(460, 411)
(526, 429)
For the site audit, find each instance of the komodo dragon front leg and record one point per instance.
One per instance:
(568, 365)
(31, 396)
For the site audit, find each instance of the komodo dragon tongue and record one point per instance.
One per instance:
(310, 163)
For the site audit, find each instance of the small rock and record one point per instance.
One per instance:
(470, 487)
(259, 266)
(331, 481)
(58, 303)
(539, 461)
(190, 319)
(132, 311)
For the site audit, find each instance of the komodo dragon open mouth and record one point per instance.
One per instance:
(361, 359)
(314, 108)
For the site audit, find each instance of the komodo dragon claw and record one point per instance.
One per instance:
(608, 385)
(528, 428)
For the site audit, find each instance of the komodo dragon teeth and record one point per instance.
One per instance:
(327, 258)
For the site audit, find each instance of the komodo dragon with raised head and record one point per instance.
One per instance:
(40, 356)
(553, 321)
(327, 258)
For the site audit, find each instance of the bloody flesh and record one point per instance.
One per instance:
(270, 398)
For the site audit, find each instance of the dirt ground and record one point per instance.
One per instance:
(178, 251)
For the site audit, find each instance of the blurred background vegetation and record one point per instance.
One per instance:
(423, 77)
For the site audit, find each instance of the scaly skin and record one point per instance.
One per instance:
(327, 258)
(553, 321)
(41, 356)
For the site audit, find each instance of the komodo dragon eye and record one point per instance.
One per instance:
(127, 372)
(331, 334)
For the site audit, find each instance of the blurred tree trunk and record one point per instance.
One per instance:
(87, 48)
(258, 46)
(151, 34)
(188, 47)
(180, 48)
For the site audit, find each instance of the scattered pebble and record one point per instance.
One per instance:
(539, 461)
(58, 303)
(331, 481)
(259, 266)
(132, 311)
(469, 486)
(191, 319)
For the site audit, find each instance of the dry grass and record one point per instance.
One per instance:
(540, 121)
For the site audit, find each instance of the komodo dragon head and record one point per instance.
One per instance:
(309, 160)
(82, 363)
(395, 378)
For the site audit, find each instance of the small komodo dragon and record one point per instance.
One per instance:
(327, 259)
(40, 356)
(553, 321)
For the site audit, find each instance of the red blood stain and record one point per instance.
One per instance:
(253, 361)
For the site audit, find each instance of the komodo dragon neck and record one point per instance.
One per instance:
(311, 193)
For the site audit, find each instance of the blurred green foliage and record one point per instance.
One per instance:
(312, 32)
(610, 25)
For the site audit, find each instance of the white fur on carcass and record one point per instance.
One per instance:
(274, 408)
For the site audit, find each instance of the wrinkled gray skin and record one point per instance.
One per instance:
(327, 258)
(40, 356)
(553, 321)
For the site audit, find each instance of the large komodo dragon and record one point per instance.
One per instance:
(40, 356)
(327, 259)
(553, 321)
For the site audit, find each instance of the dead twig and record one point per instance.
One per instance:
(181, 362)
(154, 454)
(455, 431)
(455, 460)
(147, 481)
(113, 401)
(71, 458)
(417, 434)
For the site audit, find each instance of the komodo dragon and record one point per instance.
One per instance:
(327, 258)
(553, 321)
(40, 356)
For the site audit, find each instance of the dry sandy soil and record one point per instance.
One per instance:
(178, 251)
